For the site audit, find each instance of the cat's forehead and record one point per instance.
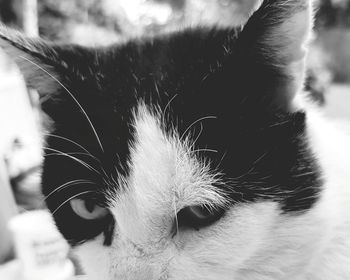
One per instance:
(165, 166)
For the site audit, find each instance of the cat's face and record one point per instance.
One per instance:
(181, 157)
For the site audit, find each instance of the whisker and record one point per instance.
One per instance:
(167, 106)
(305, 174)
(76, 153)
(176, 220)
(197, 121)
(71, 95)
(100, 163)
(244, 174)
(66, 185)
(107, 181)
(204, 150)
(114, 180)
(260, 158)
(221, 160)
(69, 140)
(73, 158)
(199, 135)
(69, 199)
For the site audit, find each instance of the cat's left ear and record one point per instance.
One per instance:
(37, 60)
(274, 46)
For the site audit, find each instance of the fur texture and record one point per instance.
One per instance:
(194, 143)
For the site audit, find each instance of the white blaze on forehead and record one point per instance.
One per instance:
(165, 176)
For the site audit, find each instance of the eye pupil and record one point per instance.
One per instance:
(90, 205)
(88, 209)
(197, 217)
(201, 212)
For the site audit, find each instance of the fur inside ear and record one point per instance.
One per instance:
(34, 57)
(276, 37)
(287, 29)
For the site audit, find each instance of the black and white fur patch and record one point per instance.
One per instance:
(201, 117)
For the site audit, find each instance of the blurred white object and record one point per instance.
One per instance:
(8, 209)
(17, 119)
(30, 18)
(41, 250)
(146, 12)
(10, 271)
(226, 13)
(138, 17)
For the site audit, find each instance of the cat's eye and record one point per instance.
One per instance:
(88, 209)
(197, 217)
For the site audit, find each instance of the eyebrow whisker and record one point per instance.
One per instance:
(58, 153)
(71, 95)
(69, 140)
(68, 184)
(195, 122)
(69, 199)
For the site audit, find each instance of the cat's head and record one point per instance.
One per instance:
(180, 157)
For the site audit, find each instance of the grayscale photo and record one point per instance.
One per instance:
(175, 140)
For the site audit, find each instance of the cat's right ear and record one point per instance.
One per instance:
(273, 46)
(36, 59)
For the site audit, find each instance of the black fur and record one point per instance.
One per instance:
(229, 74)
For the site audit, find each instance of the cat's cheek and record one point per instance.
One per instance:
(216, 252)
(220, 251)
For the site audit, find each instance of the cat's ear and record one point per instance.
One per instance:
(37, 60)
(274, 42)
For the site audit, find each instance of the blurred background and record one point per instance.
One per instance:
(102, 22)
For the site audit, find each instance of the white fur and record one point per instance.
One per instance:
(251, 242)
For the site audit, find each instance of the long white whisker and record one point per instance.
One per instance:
(73, 158)
(69, 140)
(66, 185)
(90, 155)
(69, 199)
(204, 150)
(76, 153)
(71, 95)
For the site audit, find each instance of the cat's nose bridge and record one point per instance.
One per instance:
(149, 259)
(145, 220)
(149, 248)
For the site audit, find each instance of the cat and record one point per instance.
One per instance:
(192, 155)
